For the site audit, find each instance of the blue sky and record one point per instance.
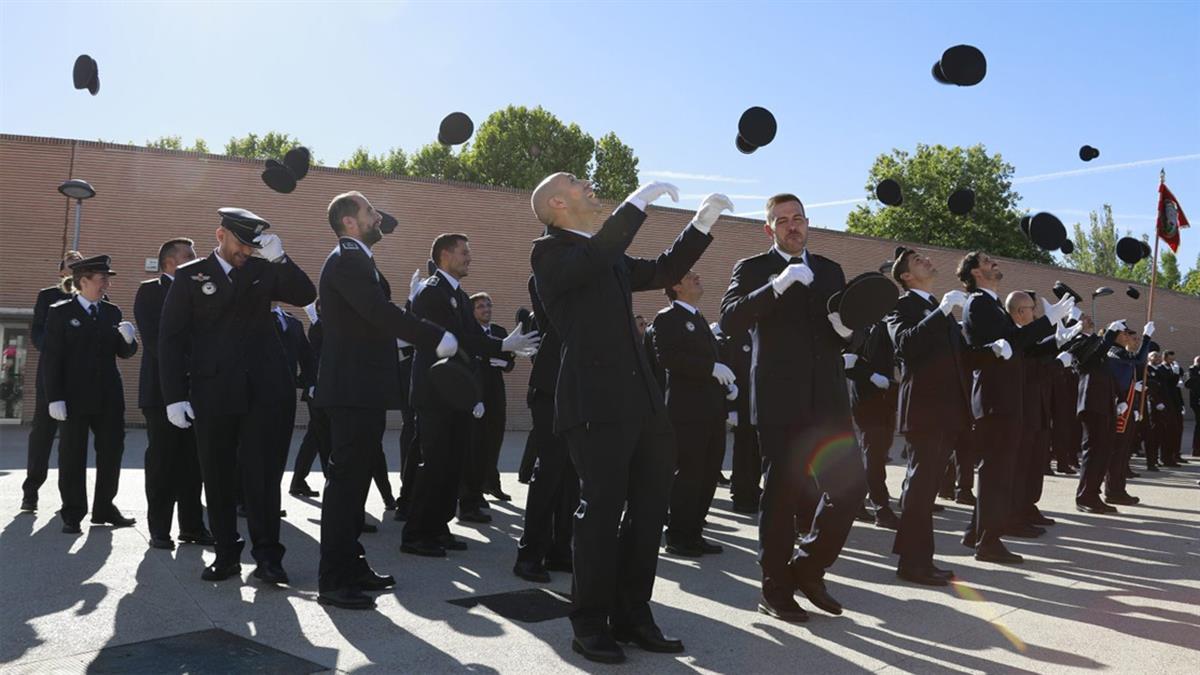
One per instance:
(847, 81)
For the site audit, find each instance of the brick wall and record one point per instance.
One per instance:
(146, 196)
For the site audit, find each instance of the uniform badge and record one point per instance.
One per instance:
(690, 326)
(208, 288)
(201, 277)
(433, 280)
(745, 348)
(75, 323)
(350, 246)
(454, 303)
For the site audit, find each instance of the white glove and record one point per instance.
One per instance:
(498, 363)
(646, 194)
(791, 274)
(835, 319)
(127, 332)
(1137, 416)
(1160, 406)
(520, 341)
(733, 392)
(1059, 310)
(271, 246)
(58, 410)
(731, 419)
(1064, 335)
(715, 327)
(311, 310)
(1137, 386)
(1066, 359)
(448, 346)
(710, 209)
(1001, 349)
(723, 374)
(312, 391)
(848, 360)
(414, 284)
(1117, 325)
(477, 411)
(179, 413)
(951, 300)
(1175, 367)
(1148, 329)
(1122, 407)
(879, 381)
(1075, 313)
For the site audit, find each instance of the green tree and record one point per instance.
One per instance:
(176, 143)
(273, 145)
(1191, 280)
(1096, 249)
(928, 177)
(616, 172)
(394, 162)
(439, 161)
(518, 147)
(1168, 271)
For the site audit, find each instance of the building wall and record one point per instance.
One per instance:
(145, 196)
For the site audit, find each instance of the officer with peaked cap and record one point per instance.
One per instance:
(84, 336)
(222, 365)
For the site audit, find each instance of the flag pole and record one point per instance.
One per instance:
(1162, 179)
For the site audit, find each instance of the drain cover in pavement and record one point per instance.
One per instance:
(528, 606)
(206, 651)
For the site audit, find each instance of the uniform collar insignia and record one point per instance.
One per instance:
(349, 245)
(202, 277)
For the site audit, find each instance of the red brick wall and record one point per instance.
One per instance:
(146, 196)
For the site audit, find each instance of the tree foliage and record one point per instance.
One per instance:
(394, 162)
(1096, 250)
(518, 147)
(616, 172)
(1191, 280)
(440, 161)
(272, 145)
(176, 143)
(928, 177)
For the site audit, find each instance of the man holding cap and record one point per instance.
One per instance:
(222, 365)
(84, 336)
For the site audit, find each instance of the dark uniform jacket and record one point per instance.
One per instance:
(437, 301)
(302, 364)
(1193, 386)
(1169, 380)
(998, 385)
(359, 358)
(315, 337)
(41, 308)
(687, 350)
(797, 376)
(147, 311)
(871, 405)
(80, 354)
(1098, 395)
(586, 285)
(492, 377)
(544, 375)
(736, 352)
(217, 341)
(935, 377)
(660, 372)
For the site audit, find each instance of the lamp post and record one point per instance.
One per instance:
(1099, 293)
(78, 190)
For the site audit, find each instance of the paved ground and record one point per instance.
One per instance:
(1115, 593)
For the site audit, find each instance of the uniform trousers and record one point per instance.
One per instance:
(1196, 431)
(316, 443)
(528, 458)
(875, 439)
(996, 444)
(1118, 462)
(357, 437)
(108, 437)
(699, 452)
(478, 465)
(625, 467)
(41, 441)
(172, 476)
(410, 453)
(1029, 473)
(928, 453)
(445, 438)
(553, 490)
(747, 465)
(1099, 438)
(959, 477)
(814, 473)
(1171, 435)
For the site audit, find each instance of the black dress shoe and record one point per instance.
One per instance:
(969, 539)
(531, 570)
(1182, 460)
(1096, 506)
(946, 494)
(220, 571)
(369, 528)
(966, 499)
(648, 637)
(814, 590)
(271, 572)
(886, 518)
(599, 648)
(346, 598)
(947, 574)
(1171, 464)
(864, 516)
(71, 528)
(370, 581)
(451, 543)
(401, 513)
(203, 538)
(922, 575)
(996, 552)
(113, 518)
(1024, 531)
(566, 565)
(163, 543)
(709, 548)
(723, 480)
(428, 549)
(474, 516)
(501, 495)
(1152, 468)
(1040, 519)
(688, 550)
(784, 609)
(1132, 474)
(1124, 500)
(302, 490)
(28, 505)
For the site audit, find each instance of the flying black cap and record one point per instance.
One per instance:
(1087, 153)
(1133, 292)
(866, 299)
(1047, 231)
(243, 224)
(888, 191)
(744, 147)
(1060, 289)
(389, 223)
(757, 127)
(297, 160)
(963, 65)
(1131, 251)
(1068, 247)
(86, 74)
(279, 177)
(456, 128)
(961, 202)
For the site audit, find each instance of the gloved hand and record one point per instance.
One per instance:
(1137, 386)
(848, 360)
(1001, 349)
(1148, 329)
(1160, 406)
(835, 319)
(271, 246)
(448, 346)
(179, 413)
(1137, 416)
(731, 420)
(733, 392)
(1075, 313)
(477, 411)
(414, 284)
(1117, 325)
(311, 310)
(127, 332)
(723, 374)
(646, 194)
(710, 209)
(312, 391)
(1122, 407)
(1059, 310)
(58, 410)
(520, 341)
(497, 363)
(1064, 335)
(951, 300)
(791, 274)
(1175, 367)
(715, 327)
(879, 381)
(1066, 359)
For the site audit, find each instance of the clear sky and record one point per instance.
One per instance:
(847, 81)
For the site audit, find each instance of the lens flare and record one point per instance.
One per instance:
(970, 594)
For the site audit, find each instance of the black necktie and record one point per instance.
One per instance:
(233, 275)
(93, 311)
(795, 261)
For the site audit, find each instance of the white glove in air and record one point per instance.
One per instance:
(733, 393)
(1066, 359)
(835, 319)
(1122, 407)
(646, 194)
(1117, 325)
(519, 341)
(951, 300)
(1148, 329)
(710, 209)
(848, 360)
(1059, 310)
(414, 284)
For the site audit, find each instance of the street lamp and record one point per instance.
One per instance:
(78, 190)
(1099, 293)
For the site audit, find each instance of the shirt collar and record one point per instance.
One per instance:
(169, 276)
(787, 256)
(366, 249)
(221, 261)
(449, 277)
(687, 306)
(992, 293)
(585, 235)
(87, 304)
(928, 296)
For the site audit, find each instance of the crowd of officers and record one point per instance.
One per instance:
(629, 419)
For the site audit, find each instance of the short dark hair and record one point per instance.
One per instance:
(969, 262)
(1169, 352)
(445, 242)
(168, 248)
(671, 294)
(78, 274)
(781, 198)
(481, 295)
(901, 266)
(343, 205)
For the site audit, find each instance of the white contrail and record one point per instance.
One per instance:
(814, 205)
(680, 175)
(1104, 169)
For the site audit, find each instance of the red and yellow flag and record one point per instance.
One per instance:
(1170, 217)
